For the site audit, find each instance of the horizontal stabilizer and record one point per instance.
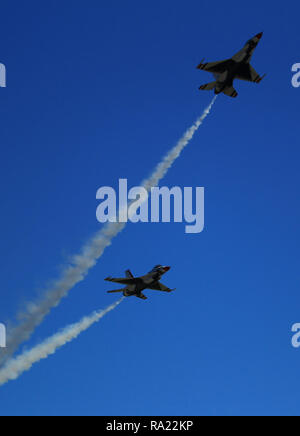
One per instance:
(208, 86)
(117, 290)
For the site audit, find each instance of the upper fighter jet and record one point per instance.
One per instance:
(238, 67)
(136, 286)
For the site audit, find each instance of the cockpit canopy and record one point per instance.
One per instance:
(251, 43)
(157, 268)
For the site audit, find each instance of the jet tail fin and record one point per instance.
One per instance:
(117, 290)
(129, 274)
(208, 86)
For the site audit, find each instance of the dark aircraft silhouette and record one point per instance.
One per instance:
(136, 285)
(237, 67)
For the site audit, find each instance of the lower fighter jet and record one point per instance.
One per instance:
(238, 67)
(136, 285)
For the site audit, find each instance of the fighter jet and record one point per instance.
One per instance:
(238, 67)
(136, 285)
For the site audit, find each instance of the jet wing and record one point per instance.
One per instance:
(208, 86)
(230, 91)
(123, 281)
(116, 290)
(214, 67)
(248, 73)
(142, 296)
(160, 287)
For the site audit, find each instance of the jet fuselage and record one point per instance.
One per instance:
(143, 283)
(237, 67)
(136, 285)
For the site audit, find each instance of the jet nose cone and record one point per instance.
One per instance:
(167, 268)
(259, 35)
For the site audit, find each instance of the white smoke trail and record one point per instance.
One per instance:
(175, 152)
(15, 367)
(93, 250)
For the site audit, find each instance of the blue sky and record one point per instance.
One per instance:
(97, 91)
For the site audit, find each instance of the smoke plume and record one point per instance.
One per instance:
(15, 367)
(35, 312)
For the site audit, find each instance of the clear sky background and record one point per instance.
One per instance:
(98, 91)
